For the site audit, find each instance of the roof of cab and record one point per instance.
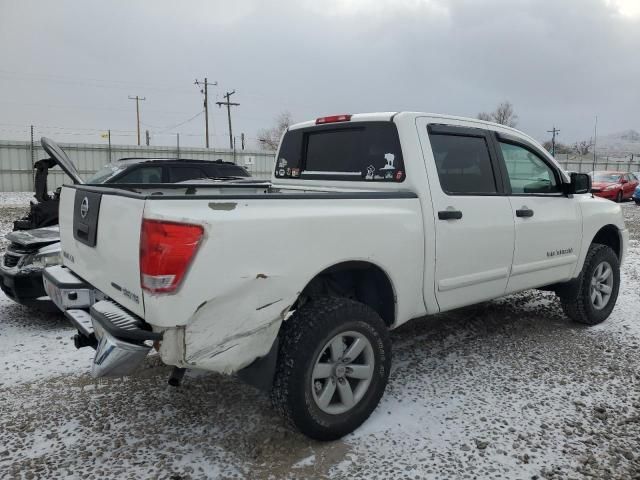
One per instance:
(356, 117)
(388, 116)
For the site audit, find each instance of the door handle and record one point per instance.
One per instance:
(524, 212)
(449, 214)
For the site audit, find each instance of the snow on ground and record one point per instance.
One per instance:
(36, 345)
(15, 198)
(506, 389)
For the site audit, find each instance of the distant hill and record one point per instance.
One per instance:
(619, 144)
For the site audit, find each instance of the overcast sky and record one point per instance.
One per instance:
(69, 66)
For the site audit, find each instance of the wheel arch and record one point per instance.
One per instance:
(360, 280)
(610, 236)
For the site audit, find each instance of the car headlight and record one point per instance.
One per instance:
(42, 260)
(611, 187)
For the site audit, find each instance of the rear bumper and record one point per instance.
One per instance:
(25, 288)
(121, 339)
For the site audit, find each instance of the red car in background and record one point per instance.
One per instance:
(617, 186)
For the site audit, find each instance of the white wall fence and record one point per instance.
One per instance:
(586, 164)
(17, 159)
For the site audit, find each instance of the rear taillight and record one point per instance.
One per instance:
(166, 251)
(333, 119)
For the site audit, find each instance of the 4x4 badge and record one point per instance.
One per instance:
(84, 207)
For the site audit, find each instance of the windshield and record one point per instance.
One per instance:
(607, 177)
(105, 173)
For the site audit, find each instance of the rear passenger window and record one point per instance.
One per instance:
(182, 174)
(142, 175)
(463, 164)
(226, 170)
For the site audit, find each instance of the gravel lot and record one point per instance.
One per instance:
(506, 389)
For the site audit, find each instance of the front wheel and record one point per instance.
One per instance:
(333, 365)
(596, 291)
(619, 197)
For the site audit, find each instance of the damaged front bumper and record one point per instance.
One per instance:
(121, 339)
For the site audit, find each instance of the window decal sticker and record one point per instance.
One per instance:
(389, 157)
(371, 170)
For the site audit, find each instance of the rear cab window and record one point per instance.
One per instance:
(353, 151)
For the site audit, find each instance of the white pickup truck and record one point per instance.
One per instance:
(371, 220)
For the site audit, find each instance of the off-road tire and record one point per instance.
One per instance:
(302, 339)
(576, 302)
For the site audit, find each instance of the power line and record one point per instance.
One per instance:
(137, 99)
(171, 127)
(89, 82)
(205, 84)
(229, 105)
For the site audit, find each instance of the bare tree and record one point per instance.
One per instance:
(560, 147)
(503, 114)
(270, 138)
(583, 147)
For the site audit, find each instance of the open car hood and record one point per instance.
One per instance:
(62, 159)
(37, 237)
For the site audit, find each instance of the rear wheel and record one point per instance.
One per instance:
(596, 290)
(619, 197)
(333, 366)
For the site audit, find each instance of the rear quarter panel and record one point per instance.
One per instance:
(258, 255)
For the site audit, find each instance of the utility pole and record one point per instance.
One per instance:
(32, 149)
(554, 131)
(229, 105)
(137, 99)
(33, 161)
(203, 90)
(595, 141)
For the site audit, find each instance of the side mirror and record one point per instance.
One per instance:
(624, 180)
(580, 183)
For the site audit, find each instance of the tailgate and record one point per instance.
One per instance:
(100, 236)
